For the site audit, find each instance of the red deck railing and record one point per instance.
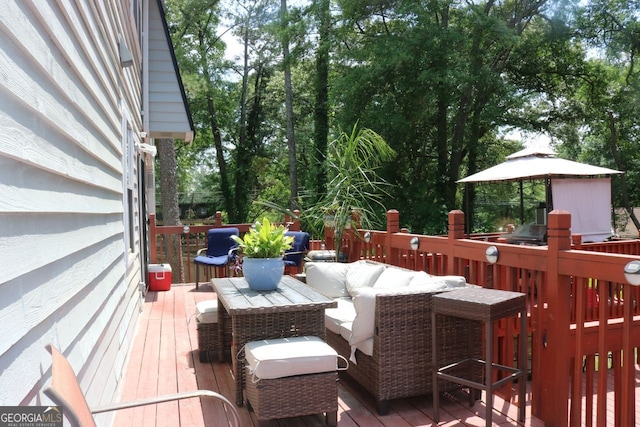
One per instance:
(583, 316)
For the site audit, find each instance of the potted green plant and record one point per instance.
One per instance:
(262, 249)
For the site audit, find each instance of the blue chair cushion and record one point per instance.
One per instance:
(219, 243)
(295, 255)
(216, 261)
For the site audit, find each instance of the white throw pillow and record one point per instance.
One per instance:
(328, 278)
(394, 278)
(362, 274)
(366, 347)
(455, 281)
(364, 301)
(428, 282)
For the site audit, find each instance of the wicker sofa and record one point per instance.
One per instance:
(383, 325)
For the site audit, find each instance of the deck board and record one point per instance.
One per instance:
(164, 359)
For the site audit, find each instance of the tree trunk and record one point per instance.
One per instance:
(613, 143)
(170, 206)
(322, 96)
(225, 186)
(288, 92)
(242, 153)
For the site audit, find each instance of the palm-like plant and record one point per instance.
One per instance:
(354, 187)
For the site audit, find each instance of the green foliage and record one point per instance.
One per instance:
(264, 240)
(355, 187)
(439, 81)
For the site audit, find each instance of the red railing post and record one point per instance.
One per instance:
(153, 250)
(551, 398)
(576, 241)
(456, 231)
(294, 222)
(393, 226)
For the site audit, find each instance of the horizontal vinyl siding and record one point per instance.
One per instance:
(63, 275)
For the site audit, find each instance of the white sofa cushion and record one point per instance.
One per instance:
(285, 357)
(344, 312)
(425, 281)
(328, 278)
(345, 330)
(394, 278)
(365, 346)
(455, 281)
(207, 311)
(362, 274)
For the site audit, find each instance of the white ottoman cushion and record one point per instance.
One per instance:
(286, 357)
(207, 311)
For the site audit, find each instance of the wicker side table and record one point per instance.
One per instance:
(487, 306)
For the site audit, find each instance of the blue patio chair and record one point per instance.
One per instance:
(294, 257)
(220, 250)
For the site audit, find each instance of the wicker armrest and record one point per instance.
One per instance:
(396, 318)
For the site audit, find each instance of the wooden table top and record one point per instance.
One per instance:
(291, 295)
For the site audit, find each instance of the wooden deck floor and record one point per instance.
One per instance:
(164, 359)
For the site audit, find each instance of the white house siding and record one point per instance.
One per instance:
(167, 116)
(66, 275)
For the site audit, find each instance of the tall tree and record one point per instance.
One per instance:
(288, 98)
(199, 50)
(250, 19)
(610, 93)
(170, 207)
(321, 112)
(430, 78)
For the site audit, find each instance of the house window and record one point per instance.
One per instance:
(128, 165)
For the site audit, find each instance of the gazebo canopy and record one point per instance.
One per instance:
(535, 163)
(575, 187)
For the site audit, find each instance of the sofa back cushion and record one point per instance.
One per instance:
(328, 278)
(362, 274)
(392, 278)
(425, 281)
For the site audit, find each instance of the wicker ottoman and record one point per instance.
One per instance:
(292, 377)
(207, 327)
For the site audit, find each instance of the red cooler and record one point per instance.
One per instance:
(159, 277)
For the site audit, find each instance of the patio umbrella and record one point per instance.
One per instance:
(536, 163)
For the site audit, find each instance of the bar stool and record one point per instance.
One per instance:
(487, 306)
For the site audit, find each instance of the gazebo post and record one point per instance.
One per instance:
(521, 202)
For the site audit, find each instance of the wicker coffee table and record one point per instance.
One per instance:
(293, 309)
(487, 306)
